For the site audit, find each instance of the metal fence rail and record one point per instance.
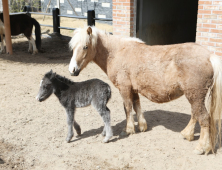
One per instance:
(56, 18)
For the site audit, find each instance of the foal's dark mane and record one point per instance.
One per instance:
(63, 79)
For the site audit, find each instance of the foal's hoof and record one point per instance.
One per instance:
(35, 52)
(107, 138)
(68, 139)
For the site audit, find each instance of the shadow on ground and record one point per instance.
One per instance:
(1, 161)
(54, 50)
(174, 121)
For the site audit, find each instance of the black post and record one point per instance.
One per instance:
(56, 20)
(27, 9)
(90, 17)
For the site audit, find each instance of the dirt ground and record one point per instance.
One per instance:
(32, 134)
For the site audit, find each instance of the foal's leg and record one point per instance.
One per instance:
(70, 122)
(137, 109)
(108, 130)
(77, 128)
(104, 112)
(127, 96)
(199, 111)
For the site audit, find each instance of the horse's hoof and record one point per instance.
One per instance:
(2, 52)
(189, 138)
(198, 152)
(181, 136)
(35, 52)
(142, 126)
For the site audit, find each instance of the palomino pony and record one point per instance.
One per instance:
(23, 23)
(160, 73)
(73, 95)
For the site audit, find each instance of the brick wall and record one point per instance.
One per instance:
(124, 17)
(209, 25)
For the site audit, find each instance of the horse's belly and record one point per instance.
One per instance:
(162, 96)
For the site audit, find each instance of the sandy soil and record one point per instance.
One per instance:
(32, 134)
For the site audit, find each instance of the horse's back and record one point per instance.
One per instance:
(20, 23)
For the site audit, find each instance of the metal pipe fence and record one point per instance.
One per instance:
(56, 18)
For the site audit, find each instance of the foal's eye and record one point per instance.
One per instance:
(85, 47)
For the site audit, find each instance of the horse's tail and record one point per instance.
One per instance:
(37, 33)
(216, 101)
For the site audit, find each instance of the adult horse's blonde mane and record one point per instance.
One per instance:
(81, 36)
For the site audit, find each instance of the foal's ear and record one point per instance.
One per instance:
(51, 71)
(89, 31)
(53, 75)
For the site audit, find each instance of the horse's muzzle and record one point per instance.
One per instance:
(75, 73)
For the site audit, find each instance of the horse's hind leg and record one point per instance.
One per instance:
(188, 132)
(137, 108)
(199, 111)
(2, 45)
(30, 50)
(32, 45)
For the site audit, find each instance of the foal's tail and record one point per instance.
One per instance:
(37, 33)
(216, 101)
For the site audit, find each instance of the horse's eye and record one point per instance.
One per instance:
(85, 47)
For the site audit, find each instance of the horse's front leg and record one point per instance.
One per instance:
(2, 45)
(128, 103)
(140, 117)
(70, 121)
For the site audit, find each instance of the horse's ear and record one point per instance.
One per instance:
(51, 71)
(89, 31)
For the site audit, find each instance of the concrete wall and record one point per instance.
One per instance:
(167, 22)
(103, 8)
